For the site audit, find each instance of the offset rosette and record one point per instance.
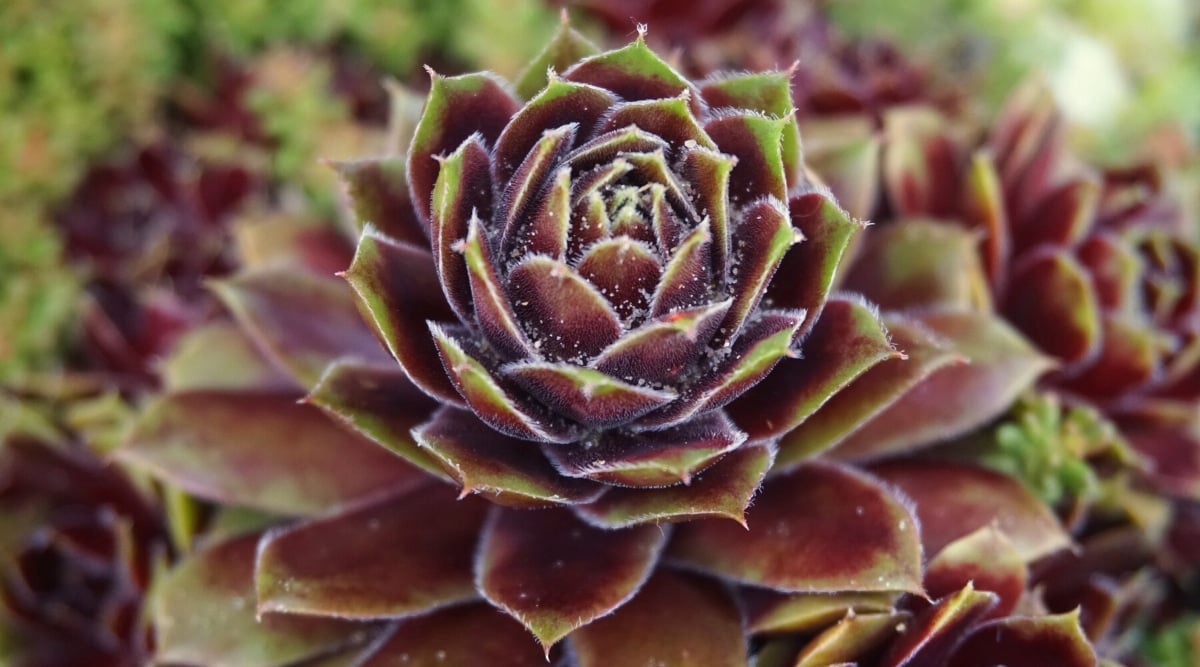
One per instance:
(591, 271)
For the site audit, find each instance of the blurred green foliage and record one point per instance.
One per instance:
(1175, 645)
(1121, 69)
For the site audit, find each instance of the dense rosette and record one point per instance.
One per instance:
(591, 270)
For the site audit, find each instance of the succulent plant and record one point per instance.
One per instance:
(593, 289)
(80, 542)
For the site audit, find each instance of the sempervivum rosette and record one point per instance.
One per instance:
(578, 289)
(594, 274)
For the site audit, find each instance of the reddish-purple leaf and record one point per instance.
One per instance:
(491, 397)
(854, 637)
(957, 398)
(650, 458)
(634, 72)
(262, 451)
(922, 164)
(566, 316)
(773, 613)
(526, 185)
(662, 349)
(983, 210)
(547, 229)
(378, 193)
(220, 356)
(554, 573)
(653, 168)
(203, 613)
(463, 189)
(820, 528)
(1047, 641)
(929, 638)
(565, 48)
(764, 234)
(1115, 269)
(456, 108)
(380, 403)
(670, 119)
(398, 290)
(1062, 219)
(275, 307)
(608, 148)
(1130, 357)
(756, 142)
(509, 471)
(985, 558)
(807, 271)
(954, 500)
(493, 310)
(920, 264)
(869, 394)
(844, 152)
(464, 636)
(768, 93)
(398, 556)
(707, 172)
(559, 103)
(624, 270)
(686, 280)
(675, 619)
(848, 340)
(584, 395)
(722, 491)
(1050, 299)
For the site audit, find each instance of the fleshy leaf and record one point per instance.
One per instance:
(768, 612)
(203, 611)
(585, 395)
(847, 341)
(491, 401)
(219, 356)
(262, 451)
(378, 193)
(456, 108)
(707, 172)
(522, 189)
(764, 234)
(929, 638)
(675, 619)
(723, 490)
(756, 141)
(855, 636)
(275, 307)
(807, 271)
(768, 93)
(921, 164)
(634, 72)
(463, 636)
(1050, 299)
(510, 471)
(398, 291)
(954, 500)
(669, 119)
(1129, 358)
(389, 558)
(463, 189)
(921, 263)
(685, 281)
(606, 149)
(985, 558)
(564, 49)
(560, 103)
(660, 350)
(868, 395)
(957, 398)
(1062, 219)
(1047, 641)
(820, 528)
(554, 573)
(650, 458)
(624, 270)
(380, 403)
(845, 154)
(493, 309)
(572, 319)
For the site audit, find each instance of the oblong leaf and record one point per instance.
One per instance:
(399, 291)
(1050, 299)
(203, 612)
(820, 528)
(463, 190)
(509, 471)
(554, 573)
(566, 316)
(985, 558)
(773, 613)
(757, 143)
(261, 451)
(855, 636)
(364, 563)
(633, 72)
(929, 638)
(954, 500)
(275, 305)
(559, 103)
(662, 349)
(464, 636)
(1048, 641)
(675, 619)
(586, 396)
(378, 193)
